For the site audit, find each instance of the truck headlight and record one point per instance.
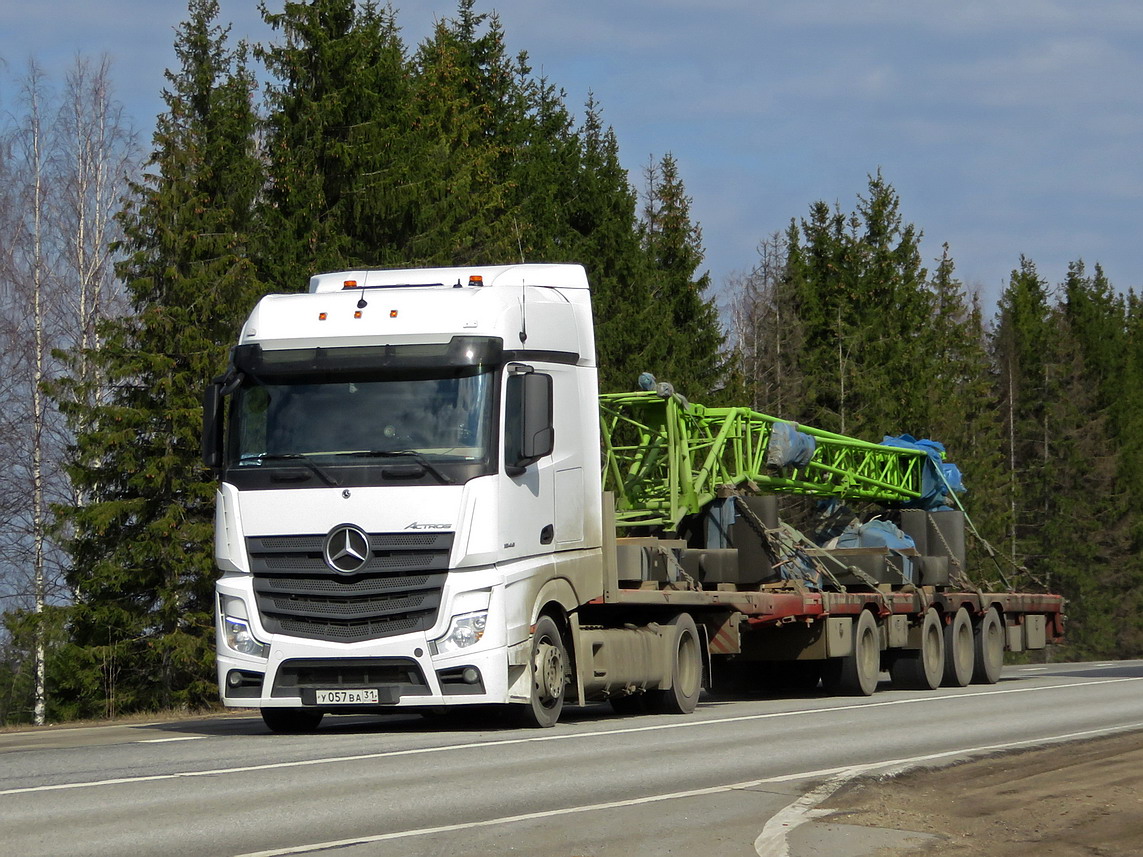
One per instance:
(463, 631)
(236, 629)
(240, 638)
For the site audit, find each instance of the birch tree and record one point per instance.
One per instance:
(67, 154)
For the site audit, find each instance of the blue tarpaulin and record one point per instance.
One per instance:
(789, 447)
(874, 534)
(938, 476)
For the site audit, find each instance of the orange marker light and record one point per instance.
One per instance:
(322, 316)
(349, 284)
(476, 280)
(357, 314)
(392, 313)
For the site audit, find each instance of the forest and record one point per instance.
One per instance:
(127, 267)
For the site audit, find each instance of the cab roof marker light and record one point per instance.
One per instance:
(392, 313)
(322, 316)
(349, 284)
(476, 280)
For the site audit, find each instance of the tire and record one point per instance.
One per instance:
(686, 670)
(958, 650)
(291, 721)
(988, 648)
(860, 671)
(856, 674)
(548, 674)
(923, 668)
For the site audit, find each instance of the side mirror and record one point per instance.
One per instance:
(529, 433)
(212, 426)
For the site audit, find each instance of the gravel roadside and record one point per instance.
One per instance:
(1066, 800)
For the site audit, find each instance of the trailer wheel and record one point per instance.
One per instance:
(988, 648)
(289, 721)
(686, 670)
(547, 669)
(856, 674)
(923, 668)
(958, 650)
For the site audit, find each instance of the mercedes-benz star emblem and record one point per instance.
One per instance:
(346, 549)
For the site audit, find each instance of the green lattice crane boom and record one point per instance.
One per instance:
(664, 461)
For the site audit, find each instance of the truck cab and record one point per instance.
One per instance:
(409, 484)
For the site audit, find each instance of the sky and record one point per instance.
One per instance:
(1007, 128)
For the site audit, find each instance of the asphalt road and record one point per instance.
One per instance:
(727, 777)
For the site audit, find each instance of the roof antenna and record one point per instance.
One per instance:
(519, 242)
(361, 304)
(523, 312)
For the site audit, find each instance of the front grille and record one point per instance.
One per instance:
(402, 674)
(397, 590)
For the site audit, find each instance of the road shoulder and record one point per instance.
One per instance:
(1082, 798)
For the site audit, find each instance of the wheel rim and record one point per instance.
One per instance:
(548, 673)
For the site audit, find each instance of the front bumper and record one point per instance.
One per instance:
(403, 670)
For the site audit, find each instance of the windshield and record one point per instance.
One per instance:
(418, 420)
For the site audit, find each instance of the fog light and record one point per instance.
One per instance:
(470, 675)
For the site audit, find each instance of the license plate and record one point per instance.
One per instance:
(355, 696)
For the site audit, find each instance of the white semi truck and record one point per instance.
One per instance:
(411, 515)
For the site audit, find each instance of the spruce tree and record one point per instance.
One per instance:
(340, 188)
(604, 223)
(688, 349)
(960, 411)
(469, 113)
(863, 305)
(141, 565)
(548, 157)
(1086, 546)
(1022, 346)
(1129, 436)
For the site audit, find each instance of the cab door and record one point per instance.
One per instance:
(527, 493)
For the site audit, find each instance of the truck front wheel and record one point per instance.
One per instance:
(548, 670)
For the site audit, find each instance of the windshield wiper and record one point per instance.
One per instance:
(403, 453)
(298, 457)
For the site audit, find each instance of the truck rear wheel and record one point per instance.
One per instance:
(958, 650)
(923, 668)
(856, 674)
(988, 648)
(686, 670)
(547, 668)
(291, 720)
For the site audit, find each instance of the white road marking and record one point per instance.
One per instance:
(772, 841)
(577, 736)
(805, 807)
(170, 740)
